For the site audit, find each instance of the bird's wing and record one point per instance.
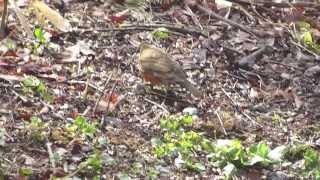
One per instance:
(154, 61)
(159, 63)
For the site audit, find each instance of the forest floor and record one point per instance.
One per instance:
(74, 105)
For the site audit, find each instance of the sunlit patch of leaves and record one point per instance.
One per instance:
(41, 40)
(36, 129)
(311, 164)
(176, 139)
(229, 155)
(32, 85)
(10, 44)
(137, 169)
(82, 127)
(161, 33)
(25, 171)
(307, 36)
(276, 118)
(152, 173)
(93, 164)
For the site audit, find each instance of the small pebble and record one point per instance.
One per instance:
(190, 111)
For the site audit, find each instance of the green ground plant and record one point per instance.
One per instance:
(180, 141)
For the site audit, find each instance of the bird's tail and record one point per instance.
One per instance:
(192, 89)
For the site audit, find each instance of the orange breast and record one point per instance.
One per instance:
(152, 79)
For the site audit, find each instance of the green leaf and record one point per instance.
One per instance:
(161, 33)
(187, 120)
(160, 151)
(263, 150)
(35, 121)
(95, 162)
(199, 167)
(153, 173)
(24, 171)
(137, 168)
(85, 127)
(10, 44)
(304, 25)
(31, 82)
(207, 145)
(80, 121)
(307, 38)
(39, 34)
(311, 159)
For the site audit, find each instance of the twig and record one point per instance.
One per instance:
(317, 57)
(51, 157)
(10, 77)
(181, 29)
(110, 94)
(279, 4)
(73, 173)
(20, 96)
(240, 26)
(84, 82)
(235, 104)
(156, 104)
(283, 64)
(168, 97)
(174, 28)
(109, 99)
(3, 26)
(221, 123)
(104, 88)
(249, 60)
(85, 91)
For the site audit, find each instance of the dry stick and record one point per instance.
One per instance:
(235, 104)
(279, 5)
(188, 30)
(286, 65)
(156, 104)
(3, 26)
(84, 82)
(169, 98)
(305, 49)
(24, 99)
(221, 123)
(23, 20)
(73, 173)
(253, 57)
(109, 98)
(104, 88)
(240, 26)
(181, 29)
(51, 156)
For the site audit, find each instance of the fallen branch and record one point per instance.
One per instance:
(269, 3)
(232, 23)
(151, 27)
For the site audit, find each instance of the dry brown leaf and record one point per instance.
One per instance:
(53, 16)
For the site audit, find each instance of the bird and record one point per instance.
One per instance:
(158, 68)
